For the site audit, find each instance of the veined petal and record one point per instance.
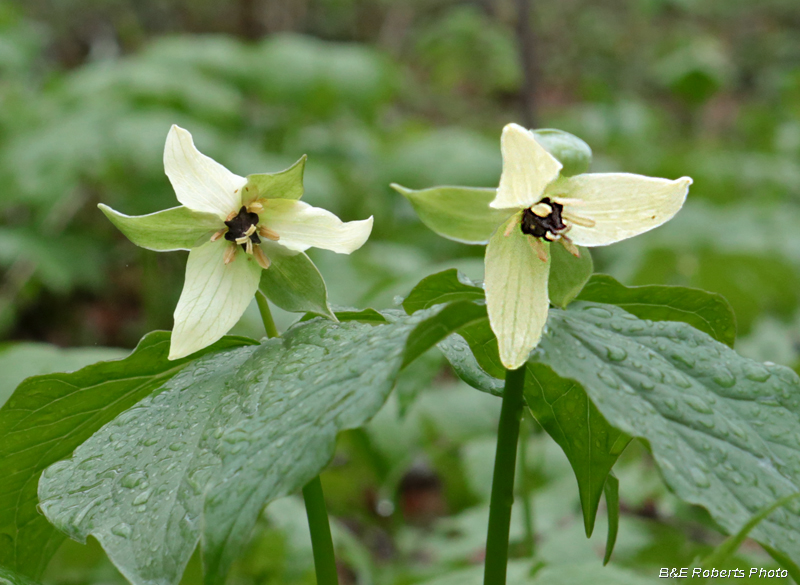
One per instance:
(214, 297)
(200, 182)
(516, 294)
(527, 169)
(620, 205)
(301, 226)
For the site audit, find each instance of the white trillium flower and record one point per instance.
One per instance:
(534, 207)
(234, 223)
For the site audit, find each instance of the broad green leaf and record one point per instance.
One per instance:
(457, 351)
(559, 405)
(443, 287)
(8, 577)
(448, 320)
(457, 213)
(255, 423)
(611, 491)
(48, 416)
(589, 442)
(568, 274)
(571, 151)
(178, 228)
(708, 312)
(724, 430)
(21, 360)
(293, 282)
(731, 544)
(287, 184)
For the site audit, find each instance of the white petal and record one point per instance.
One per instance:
(516, 294)
(200, 183)
(621, 205)
(527, 169)
(214, 297)
(301, 226)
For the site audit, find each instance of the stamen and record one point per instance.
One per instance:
(219, 234)
(578, 220)
(231, 215)
(250, 231)
(268, 233)
(542, 209)
(261, 258)
(230, 254)
(243, 240)
(510, 228)
(552, 237)
(249, 246)
(538, 247)
(571, 247)
(255, 207)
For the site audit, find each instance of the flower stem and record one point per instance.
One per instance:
(266, 315)
(321, 541)
(503, 480)
(525, 487)
(317, 513)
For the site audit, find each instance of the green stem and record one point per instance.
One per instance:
(503, 480)
(525, 487)
(321, 541)
(318, 524)
(266, 315)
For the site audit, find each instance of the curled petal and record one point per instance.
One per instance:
(618, 205)
(527, 169)
(516, 294)
(200, 182)
(301, 226)
(214, 297)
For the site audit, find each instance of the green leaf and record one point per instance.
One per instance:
(8, 577)
(457, 351)
(724, 430)
(21, 360)
(178, 228)
(571, 151)
(611, 491)
(255, 423)
(443, 287)
(48, 417)
(589, 442)
(448, 320)
(457, 213)
(293, 282)
(731, 544)
(568, 274)
(287, 184)
(708, 312)
(561, 406)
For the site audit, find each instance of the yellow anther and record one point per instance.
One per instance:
(571, 248)
(261, 258)
(230, 254)
(578, 220)
(219, 234)
(268, 233)
(539, 248)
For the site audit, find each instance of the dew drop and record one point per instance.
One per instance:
(608, 379)
(133, 479)
(756, 373)
(616, 354)
(698, 405)
(177, 446)
(142, 498)
(122, 530)
(724, 377)
(699, 477)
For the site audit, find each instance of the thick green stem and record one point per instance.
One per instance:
(318, 524)
(321, 541)
(505, 463)
(266, 315)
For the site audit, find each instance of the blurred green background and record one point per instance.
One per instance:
(414, 92)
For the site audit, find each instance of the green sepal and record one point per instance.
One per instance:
(293, 282)
(572, 152)
(568, 274)
(287, 184)
(177, 228)
(457, 213)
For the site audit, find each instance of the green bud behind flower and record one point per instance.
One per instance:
(571, 151)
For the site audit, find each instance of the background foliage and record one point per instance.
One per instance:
(376, 91)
